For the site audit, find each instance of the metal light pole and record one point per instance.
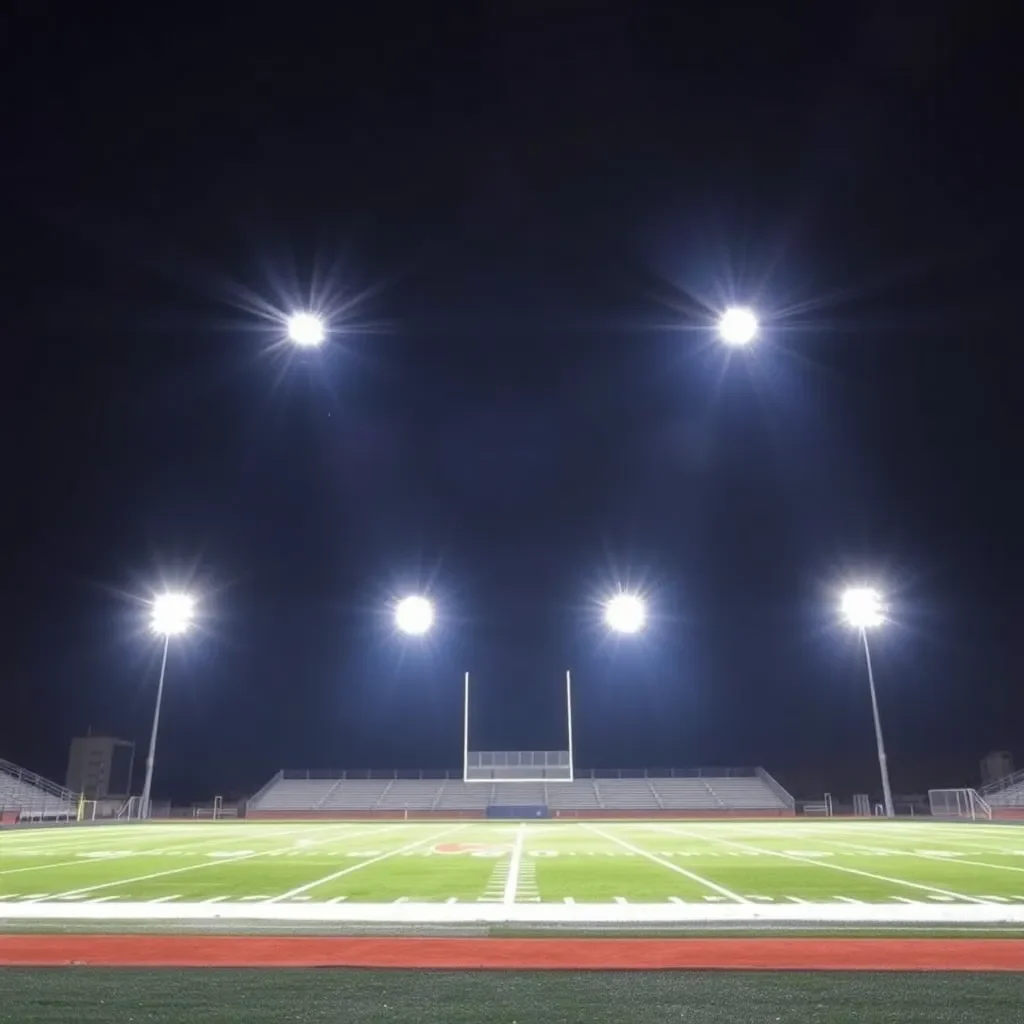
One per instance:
(862, 608)
(172, 614)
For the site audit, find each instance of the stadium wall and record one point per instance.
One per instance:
(595, 815)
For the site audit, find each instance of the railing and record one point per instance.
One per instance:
(327, 774)
(20, 774)
(777, 788)
(993, 789)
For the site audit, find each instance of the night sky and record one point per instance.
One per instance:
(522, 221)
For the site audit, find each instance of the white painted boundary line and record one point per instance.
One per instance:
(825, 864)
(524, 913)
(292, 893)
(706, 882)
(512, 881)
(206, 864)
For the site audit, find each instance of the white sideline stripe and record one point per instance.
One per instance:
(568, 912)
(512, 881)
(292, 893)
(188, 867)
(706, 882)
(834, 867)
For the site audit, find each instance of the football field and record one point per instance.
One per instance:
(551, 871)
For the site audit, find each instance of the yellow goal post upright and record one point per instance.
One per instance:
(517, 765)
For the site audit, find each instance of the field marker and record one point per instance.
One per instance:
(796, 899)
(924, 855)
(337, 899)
(619, 899)
(177, 871)
(102, 899)
(215, 899)
(903, 899)
(568, 899)
(828, 866)
(159, 899)
(292, 893)
(509, 895)
(849, 899)
(706, 882)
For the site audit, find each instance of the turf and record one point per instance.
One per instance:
(793, 862)
(361, 997)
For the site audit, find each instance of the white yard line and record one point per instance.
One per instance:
(512, 881)
(292, 893)
(819, 863)
(188, 867)
(654, 858)
(922, 856)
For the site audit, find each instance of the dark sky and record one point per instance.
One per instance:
(523, 220)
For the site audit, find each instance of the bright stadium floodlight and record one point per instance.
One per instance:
(862, 609)
(171, 614)
(306, 330)
(738, 326)
(414, 615)
(625, 613)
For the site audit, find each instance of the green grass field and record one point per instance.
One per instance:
(268, 867)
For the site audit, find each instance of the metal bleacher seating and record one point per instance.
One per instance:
(30, 797)
(697, 792)
(1005, 792)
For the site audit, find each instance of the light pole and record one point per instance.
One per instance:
(738, 326)
(171, 615)
(862, 609)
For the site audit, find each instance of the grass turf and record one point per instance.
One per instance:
(359, 997)
(636, 862)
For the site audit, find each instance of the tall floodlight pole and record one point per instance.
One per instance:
(568, 714)
(862, 609)
(465, 728)
(171, 615)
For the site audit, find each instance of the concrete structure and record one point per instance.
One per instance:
(100, 767)
(697, 793)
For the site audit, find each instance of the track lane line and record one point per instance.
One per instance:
(654, 858)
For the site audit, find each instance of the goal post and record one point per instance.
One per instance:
(964, 804)
(517, 765)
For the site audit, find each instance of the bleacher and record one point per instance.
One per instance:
(1005, 792)
(26, 796)
(692, 792)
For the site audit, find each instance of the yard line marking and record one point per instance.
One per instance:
(292, 893)
(796, 899)
(903, 899)
(509, 894)
(215, 899)
(188, 867)
(568, 899)
(923, 856)
(675, 899)
(451, 899)
(828, 866)
(997, 899)
(619, 899)
(337, 899)
(848, 899)
(102, 899)
(706, 882)
(159, 899)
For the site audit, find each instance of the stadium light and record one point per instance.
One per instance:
(625, 613)
(738, 326)
(171, 615)
(862, 609)
(306, 330)
(414, 615)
